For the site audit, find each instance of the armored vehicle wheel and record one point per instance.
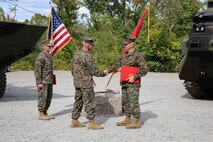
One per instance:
(3, 82)
(196, 90)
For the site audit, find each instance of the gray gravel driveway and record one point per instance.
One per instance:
(169, 113)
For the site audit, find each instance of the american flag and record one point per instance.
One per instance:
(57, 33)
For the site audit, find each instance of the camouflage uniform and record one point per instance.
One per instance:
(83, 68)
(44, 75)
(130, 91)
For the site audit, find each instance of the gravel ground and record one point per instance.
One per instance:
(169, 113)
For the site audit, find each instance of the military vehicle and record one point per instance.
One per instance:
(196, 66)
(16, 41)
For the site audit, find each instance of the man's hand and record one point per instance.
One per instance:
(40, 85)
(131, 79)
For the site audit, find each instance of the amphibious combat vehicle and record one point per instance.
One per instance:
(16, 41)
(196, 66)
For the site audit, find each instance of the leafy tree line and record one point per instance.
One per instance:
(110, 21)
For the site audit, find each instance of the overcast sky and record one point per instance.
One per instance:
(34, 6)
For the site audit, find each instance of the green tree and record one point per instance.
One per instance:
(170, 25)
(107, 44)
(39, 19)
(170, 22)
(2, 15)
(12, 9)
(124, 14)
(112, 20)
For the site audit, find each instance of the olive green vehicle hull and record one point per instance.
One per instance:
(196, 66)
(16, 41)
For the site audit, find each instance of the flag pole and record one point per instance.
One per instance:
(118, 70)
(148, 25)
(110, 78)
(50, 22)
(50, 18)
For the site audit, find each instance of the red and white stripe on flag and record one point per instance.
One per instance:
(60, 38)
(57, 33)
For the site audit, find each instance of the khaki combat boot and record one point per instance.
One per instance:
(135, 125)
(124, 122)
(50, 116)
(93, 125)
(76, 123)
(42, 116)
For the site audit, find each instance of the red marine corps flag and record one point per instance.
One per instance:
(57, 33)
(137, 28)
(140, 24)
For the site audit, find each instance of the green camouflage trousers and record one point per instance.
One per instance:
(44, 97)
(84, 96)
(130, 101)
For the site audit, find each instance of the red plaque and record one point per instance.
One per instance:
(128, 71)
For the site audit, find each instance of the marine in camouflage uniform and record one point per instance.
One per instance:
(44, 80)
(83, 70)
(130, 91)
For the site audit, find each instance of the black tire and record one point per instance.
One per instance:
(209, 93)
(3, 81)
(195, 90)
